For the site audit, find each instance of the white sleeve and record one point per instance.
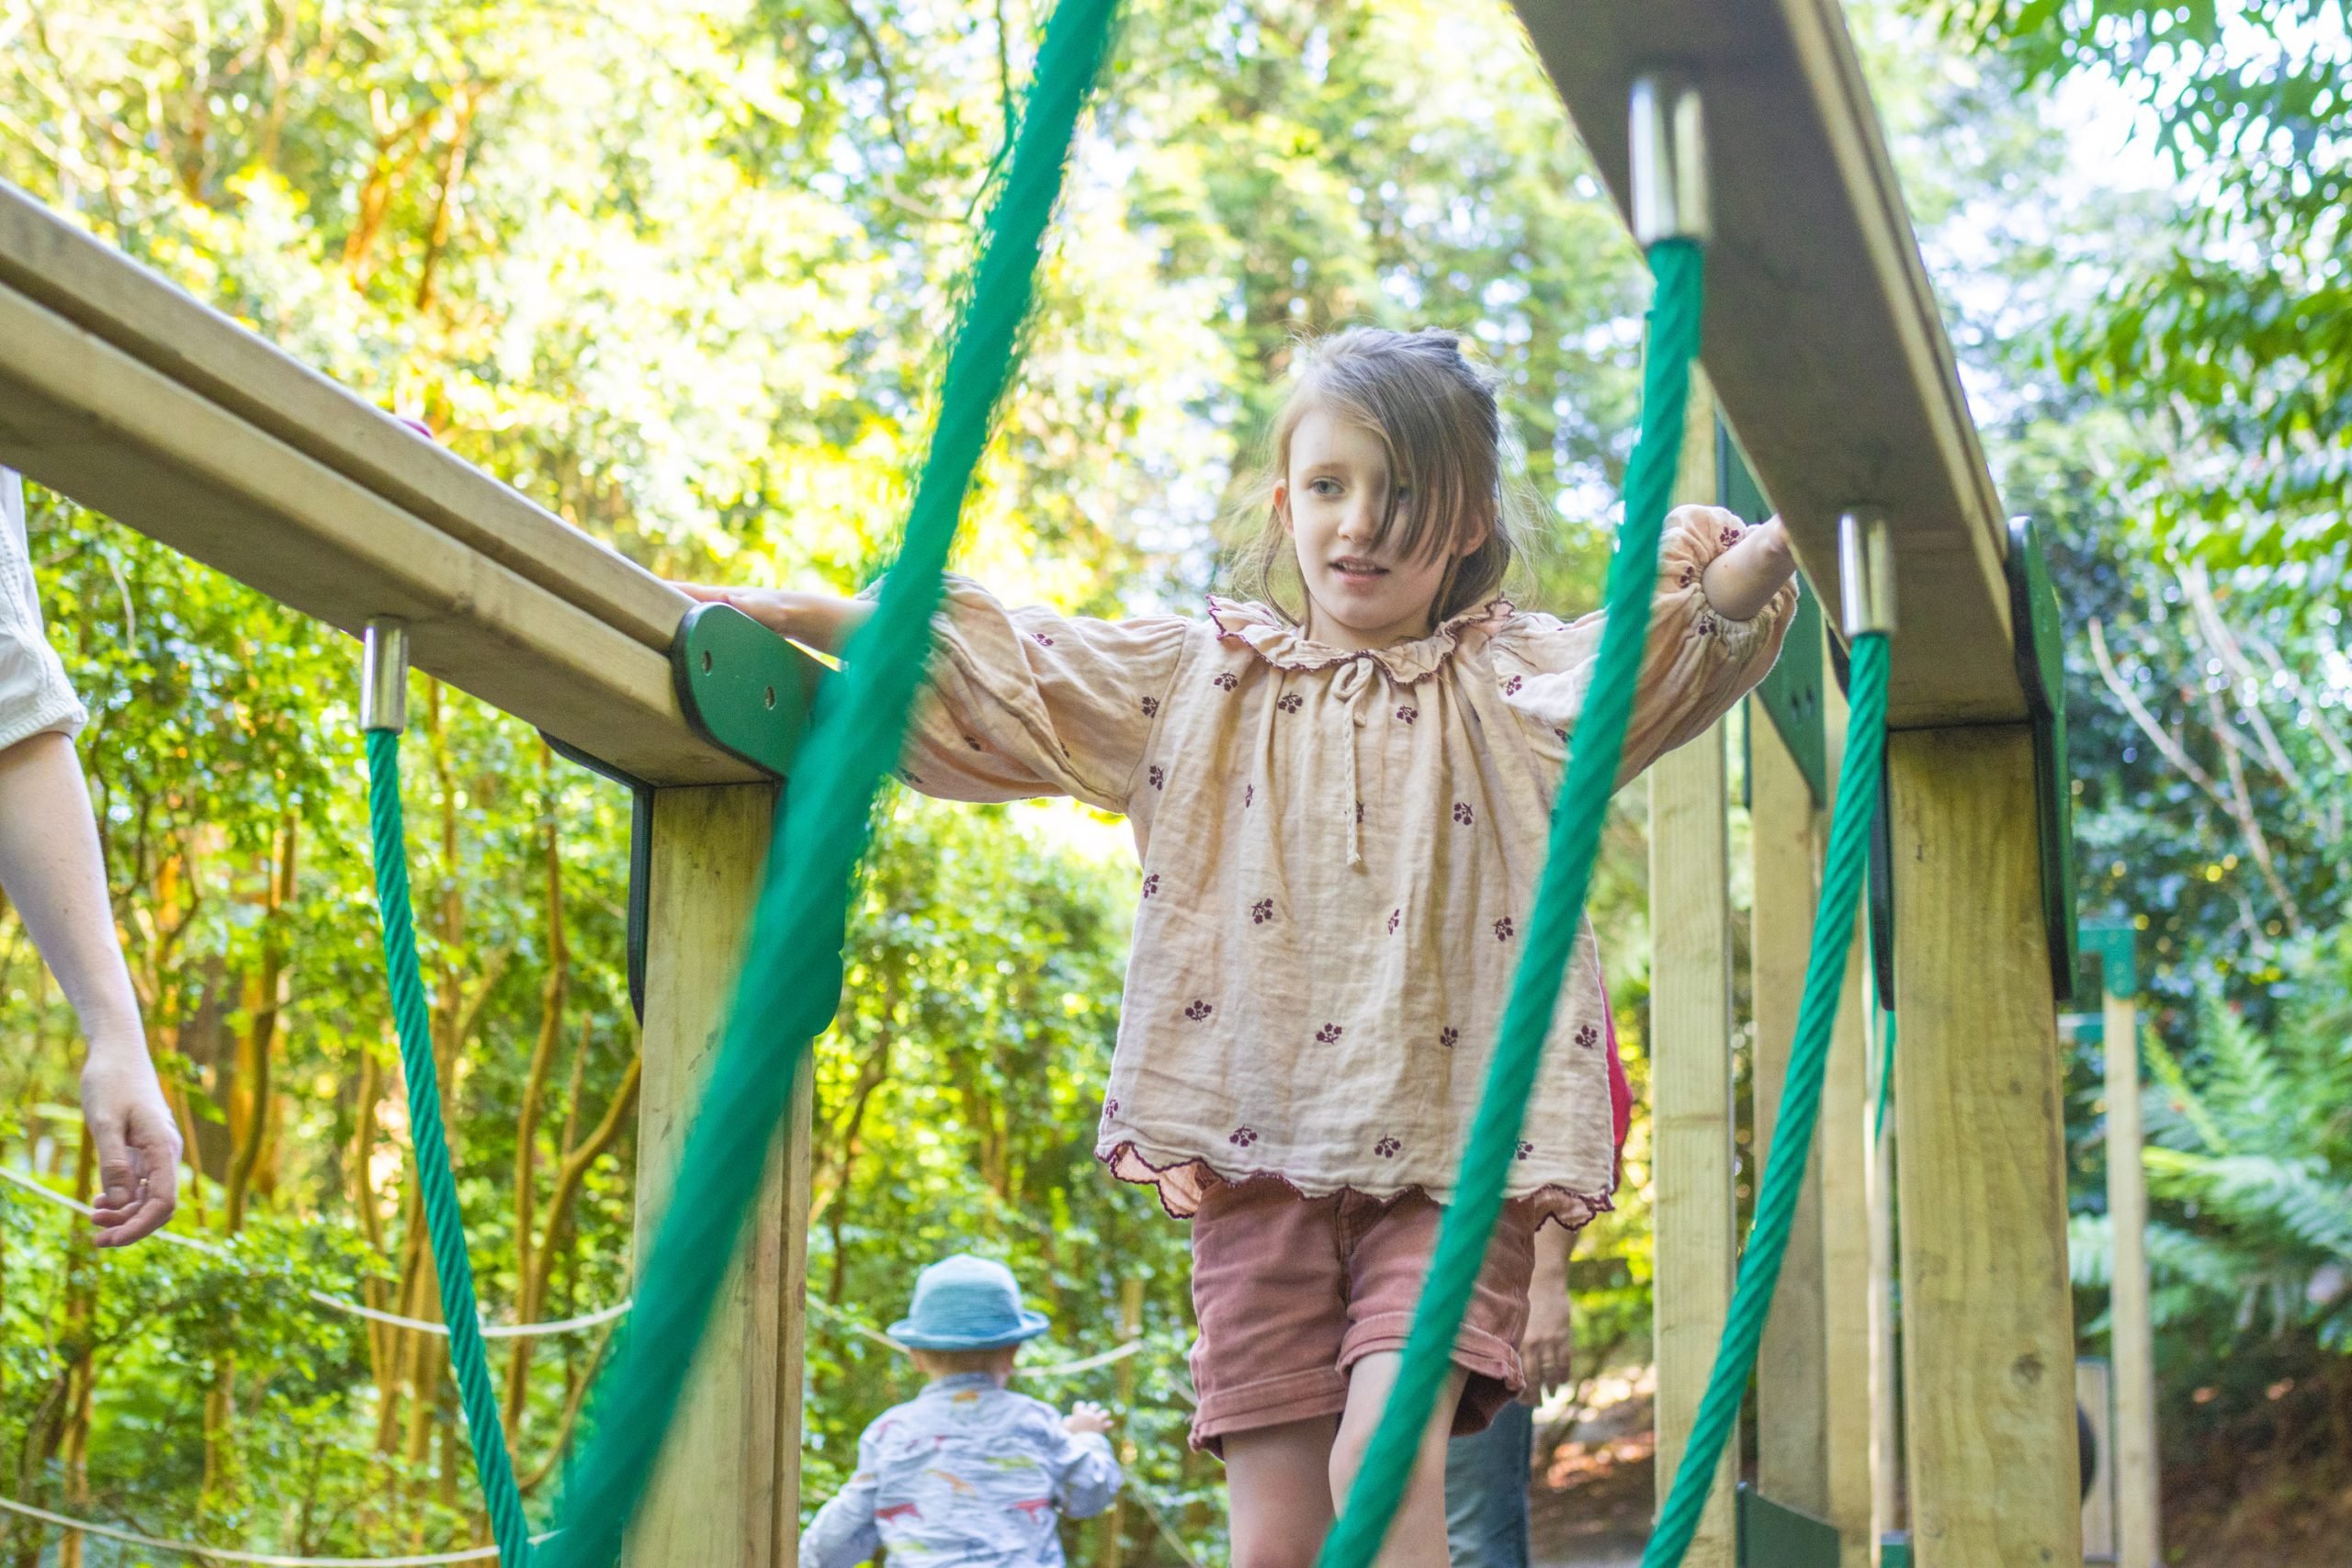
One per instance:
(34, 697)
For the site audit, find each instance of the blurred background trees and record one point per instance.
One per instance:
(682, 274)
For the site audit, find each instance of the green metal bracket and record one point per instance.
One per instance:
(2116, 946)
(1773, 1535)
(2041, 670)
(744, 689)
(1791, 694)
(640, 857)
(1895, 1550)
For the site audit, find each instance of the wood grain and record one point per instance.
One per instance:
(727, 1492)
(1988, 1332)
(1792, 1367)
(1690, 1079)
(2138, 1532)
(1849, 1395)
(1822, 334)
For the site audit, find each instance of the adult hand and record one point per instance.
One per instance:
(138, 1142)
(1087, 1416)
(1548, 1350)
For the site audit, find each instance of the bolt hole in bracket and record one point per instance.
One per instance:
(743, 689)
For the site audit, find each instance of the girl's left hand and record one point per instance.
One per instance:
(1741, 581)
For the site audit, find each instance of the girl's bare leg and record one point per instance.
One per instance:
(1418, 1537)
(1278, 1491)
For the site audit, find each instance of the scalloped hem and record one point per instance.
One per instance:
(1178, 1184)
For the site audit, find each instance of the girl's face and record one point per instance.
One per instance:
(1332, 500)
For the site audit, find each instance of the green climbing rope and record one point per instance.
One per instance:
(1776, 1202)
(791, 980)
(1591, 779)
(445, 1225)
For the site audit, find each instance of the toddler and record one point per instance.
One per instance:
(967, 1472)
(1341, 788)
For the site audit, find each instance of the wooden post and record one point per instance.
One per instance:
(726, 1493)
(1887, 1414)
(1113, 1552)
(1845, 1181)
(2137, 1538)
(1792, 1369)
(1988, 1332)
(2093, 1388)
(1690, 1083)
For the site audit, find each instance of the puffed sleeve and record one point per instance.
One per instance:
(844, 1532)
(34, 697)
(1025, 703)
(1086, 1474)
(1695, 664)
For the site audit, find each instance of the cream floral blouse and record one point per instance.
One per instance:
(1340, 850)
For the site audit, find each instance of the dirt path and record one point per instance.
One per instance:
(1592, 1493)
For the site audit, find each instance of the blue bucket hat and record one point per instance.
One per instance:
(966, 1303)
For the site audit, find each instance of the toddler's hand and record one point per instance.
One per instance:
(1087, 1416)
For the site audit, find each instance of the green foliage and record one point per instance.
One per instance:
(2230, 334)
(682, 274)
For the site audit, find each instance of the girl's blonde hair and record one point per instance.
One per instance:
(1434, 411)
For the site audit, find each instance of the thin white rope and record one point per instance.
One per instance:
(339, 1303)
(1054, 1370)
(260, 1559)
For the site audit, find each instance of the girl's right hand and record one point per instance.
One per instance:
(1086, 1416)
(822, 621)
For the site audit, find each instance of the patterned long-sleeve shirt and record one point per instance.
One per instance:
(967, 1474)
(1340, 850)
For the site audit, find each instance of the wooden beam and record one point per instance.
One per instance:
(1847, 1392)
(1822, 336)
(83, 417)
(2138, 1533)
(1792, 1367)
(727, 1491)
(1691, 1082)
(1989, 1330)
(172, 333)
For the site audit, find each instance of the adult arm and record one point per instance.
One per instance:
(55, 878)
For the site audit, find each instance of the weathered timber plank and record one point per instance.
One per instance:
(101, 290)
(1792, 1367)
(84, 418)
(1822, 335)
(1989, 1321)
(1846, 1154)
(2139, 1535)
(726, 1493)
(1691, 1081)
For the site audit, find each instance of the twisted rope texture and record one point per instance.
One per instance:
(1776, 1202)
(445, 1225)
(1593, 755)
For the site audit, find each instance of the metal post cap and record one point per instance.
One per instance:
(383, 674)
(1667, 153)
(1865, 573)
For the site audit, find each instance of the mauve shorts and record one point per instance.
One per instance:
(1291, 1291)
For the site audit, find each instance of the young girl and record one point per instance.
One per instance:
(1342, 792)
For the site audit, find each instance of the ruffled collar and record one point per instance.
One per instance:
(1287, 646)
